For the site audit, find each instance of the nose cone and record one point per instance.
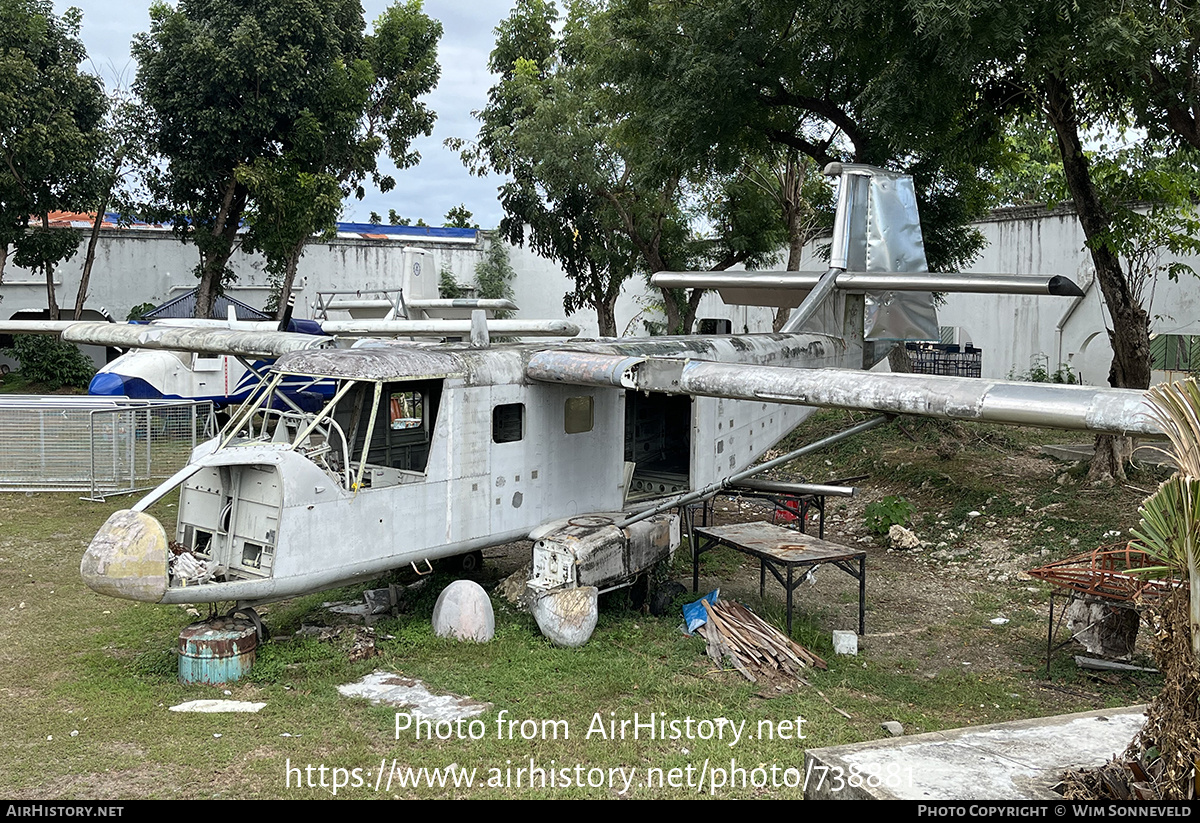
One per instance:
(127, 558)
(107, 384)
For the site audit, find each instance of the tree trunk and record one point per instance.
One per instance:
(606, 315)
(1130, 334)
(794, 211)
(289, 278)
(48, 268)
(88, 259)
(671, 309)
(219, 248)
(3, 260)
(693, 305)
(898, 359)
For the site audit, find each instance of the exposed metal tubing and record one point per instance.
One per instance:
(804, 312)
(958, 282)
(362, 462)
(262, 377)
(776, 487)
(253, 402)
(734, 479)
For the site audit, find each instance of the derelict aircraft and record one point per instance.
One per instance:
(584, 446)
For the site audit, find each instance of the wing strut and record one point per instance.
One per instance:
(734, 479)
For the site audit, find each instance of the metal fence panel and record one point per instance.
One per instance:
(97, 446)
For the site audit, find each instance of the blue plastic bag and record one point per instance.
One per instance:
(694, 614)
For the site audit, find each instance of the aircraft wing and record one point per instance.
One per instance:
(1101, 410)
(216, 339)
(202, 340)
(259, 339)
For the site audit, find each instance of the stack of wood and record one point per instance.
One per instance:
(736, 634)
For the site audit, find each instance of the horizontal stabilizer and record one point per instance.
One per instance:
(754, 288)
(358, 304)
(1104, 410)
(485, 303)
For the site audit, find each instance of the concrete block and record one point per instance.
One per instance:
(845, 642)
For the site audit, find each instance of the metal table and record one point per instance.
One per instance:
(778, 548)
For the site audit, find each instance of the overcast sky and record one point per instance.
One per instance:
(428, 190)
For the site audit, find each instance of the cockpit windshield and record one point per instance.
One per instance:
(370, 433)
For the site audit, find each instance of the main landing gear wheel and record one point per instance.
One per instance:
(470, 562)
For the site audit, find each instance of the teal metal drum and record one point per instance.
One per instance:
(217, 651)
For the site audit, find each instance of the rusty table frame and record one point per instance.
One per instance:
(776, 548)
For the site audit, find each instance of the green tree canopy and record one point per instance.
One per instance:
(459, 217)
(50, 134)
(601, 199)
(274, 106)
(1079, 68)
(717, 81)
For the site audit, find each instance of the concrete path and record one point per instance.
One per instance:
(1008, 761)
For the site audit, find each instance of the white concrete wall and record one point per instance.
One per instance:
(1013, 331)
(137, 266)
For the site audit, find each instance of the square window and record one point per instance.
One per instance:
(579, 414)
(508, 423)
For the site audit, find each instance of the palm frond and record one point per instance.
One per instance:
(1169, 530)
(1176, 408)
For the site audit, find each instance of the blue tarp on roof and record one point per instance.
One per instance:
(354, 228)
(409, 231)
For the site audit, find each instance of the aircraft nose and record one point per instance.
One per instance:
(127, 558)
(107, 384)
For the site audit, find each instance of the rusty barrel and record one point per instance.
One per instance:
(216, 651)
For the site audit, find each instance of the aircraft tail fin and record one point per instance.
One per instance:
(877, 250)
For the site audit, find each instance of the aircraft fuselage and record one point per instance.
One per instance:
(430, 452)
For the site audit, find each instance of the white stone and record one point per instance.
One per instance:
(845, 642)
(567, 617)
(902, 538)
(463, 610)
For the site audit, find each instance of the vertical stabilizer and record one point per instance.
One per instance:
(878, 229)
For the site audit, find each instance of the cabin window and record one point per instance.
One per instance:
(579, 414)
(404, 423)
(508, 423)
(406, 410)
